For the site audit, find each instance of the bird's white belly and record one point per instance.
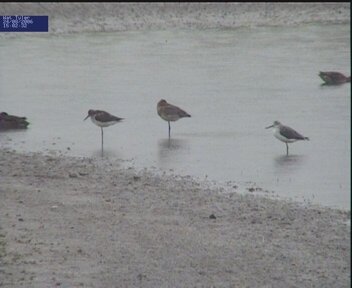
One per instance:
(102, 124)
(283, 138)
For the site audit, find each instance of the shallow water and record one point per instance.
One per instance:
(233, 82)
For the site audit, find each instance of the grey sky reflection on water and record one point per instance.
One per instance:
(236, 82)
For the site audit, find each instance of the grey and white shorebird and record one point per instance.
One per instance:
(102, 119)
(170, 112)
(334, 78)
(286, 134)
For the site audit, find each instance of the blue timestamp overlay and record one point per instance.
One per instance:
(19, 23)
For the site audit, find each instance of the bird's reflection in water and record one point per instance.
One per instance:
(106, 153)
(324, 86)
(170, 150)
(13, 131)
(287, 163)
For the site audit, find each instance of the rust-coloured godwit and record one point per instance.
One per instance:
(170, 112)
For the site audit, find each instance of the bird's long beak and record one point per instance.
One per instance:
(86, 118)
(271, 126)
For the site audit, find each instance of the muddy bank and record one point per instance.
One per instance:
(80, 222)
(83, 17)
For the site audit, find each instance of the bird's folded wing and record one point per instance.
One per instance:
(289, 133)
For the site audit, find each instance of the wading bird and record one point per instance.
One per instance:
(334, 78)
(169, 112)
(102, 119)
(286, 134)
(8, 122)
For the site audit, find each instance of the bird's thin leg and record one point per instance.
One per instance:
(286, 148)
(102, 141)
(169, 128)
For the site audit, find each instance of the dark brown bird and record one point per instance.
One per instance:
(334, 78)
(8, 122)
(170, 112)
(102, 119)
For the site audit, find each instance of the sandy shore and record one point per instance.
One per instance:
(79, 222)
(79, 17)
